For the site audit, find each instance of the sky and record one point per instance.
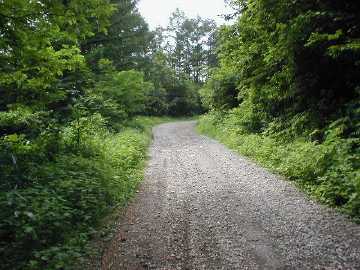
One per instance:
(157, 12)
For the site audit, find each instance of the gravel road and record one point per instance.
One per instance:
(202, 206)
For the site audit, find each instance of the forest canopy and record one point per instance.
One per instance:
(75, 76)
(80, 78)
(286, 92)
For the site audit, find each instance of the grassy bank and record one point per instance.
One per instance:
(46, 223)
(328, 170)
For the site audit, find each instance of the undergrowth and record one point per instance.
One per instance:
(48, 217)
(328, 170)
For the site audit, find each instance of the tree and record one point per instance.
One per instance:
(127, 40)
(39, 52)
(294, 57)
(188, 45)
(42, 75)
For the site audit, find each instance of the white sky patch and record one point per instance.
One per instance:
(157, 12)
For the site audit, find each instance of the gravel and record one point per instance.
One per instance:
(201, 206)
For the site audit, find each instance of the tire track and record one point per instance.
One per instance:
(202, 206)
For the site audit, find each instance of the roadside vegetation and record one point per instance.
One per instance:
(286, 93)
(81, 85)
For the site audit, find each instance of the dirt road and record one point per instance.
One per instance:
(202, 206)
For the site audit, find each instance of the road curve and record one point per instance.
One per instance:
(201, 206)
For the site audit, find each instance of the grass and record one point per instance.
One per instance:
(141, 125)
(327, 171)
(47, 223)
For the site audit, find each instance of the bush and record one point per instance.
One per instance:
(220, 92)
(45, 223)
(329, 170)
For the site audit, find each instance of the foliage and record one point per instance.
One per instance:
(328, 170)
(173, 95)
(73, 74)
(189, 45)
(46, 224)
(220, 91)
(294, 102)
(127, 40)
(39, 46)
(294, 58)
(180, 58)
(119, 95)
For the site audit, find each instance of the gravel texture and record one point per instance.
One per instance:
(201, 206)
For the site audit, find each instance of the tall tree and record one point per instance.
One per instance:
(188, 45)
(39, 54)
(127, 40)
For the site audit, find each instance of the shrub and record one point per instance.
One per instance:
(45, 223)
(328, 170)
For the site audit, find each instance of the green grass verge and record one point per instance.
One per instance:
(326, 171)
(48, 223)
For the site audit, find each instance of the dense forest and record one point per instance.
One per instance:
(286, 93)
(77, 79)
(82, 82)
